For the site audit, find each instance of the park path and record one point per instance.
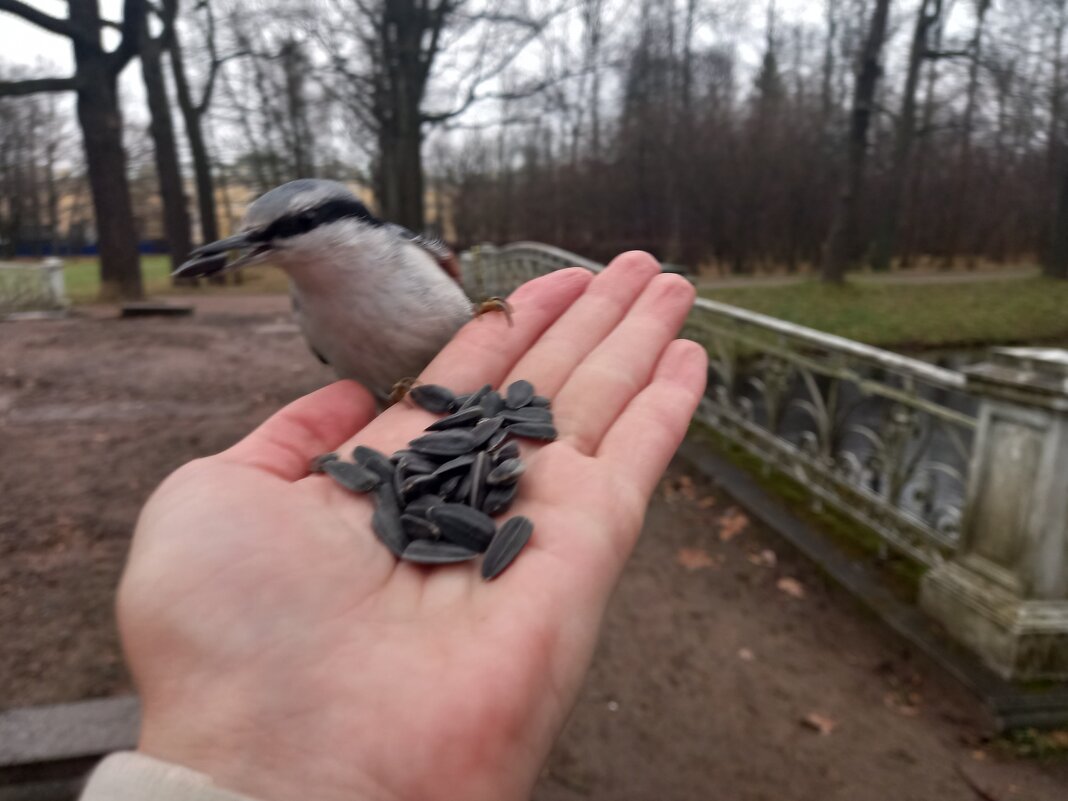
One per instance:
(910, 278)
(717, 646)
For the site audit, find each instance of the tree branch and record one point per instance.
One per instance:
(47, 21)
(133, 16)
(35, 85)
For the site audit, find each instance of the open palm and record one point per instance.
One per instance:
(281, 649)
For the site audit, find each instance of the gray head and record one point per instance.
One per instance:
(277, 218)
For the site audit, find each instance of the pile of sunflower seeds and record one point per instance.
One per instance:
(435, 500)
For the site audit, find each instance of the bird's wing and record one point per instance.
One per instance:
(434, 247)
(294, 299)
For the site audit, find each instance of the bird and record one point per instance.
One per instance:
(375, 301)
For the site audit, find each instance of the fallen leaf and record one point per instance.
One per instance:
(686, 489)
(732, 523)
(765, 558)
(817, 722)
(979, 755)
(746, 655)
(694, 558)
(791, 587)
(706, 502)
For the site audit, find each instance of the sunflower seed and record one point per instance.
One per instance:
(485, 430)
(386, 521)
(542, 431)
(506, 545)
(518, 394)
(447, 443)
(463, 489)
(419, 528)
(432, 397)
(507, 472)
(460, 401)
(420, 506)
(509, 451)
(464, 417)
(373, 460)
(540, 400)
(463, 525)
(414, 463)
(455, 465)
(497, 441)
(498, 499)
(528, 414)
(449, 486)
(475, 398)
(492, 403)
(479, 472)
(316, 465)
(354, 477)
(417, 485)
(431, 552)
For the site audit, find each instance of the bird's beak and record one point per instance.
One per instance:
(211, 259)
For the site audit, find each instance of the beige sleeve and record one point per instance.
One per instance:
(129, 776)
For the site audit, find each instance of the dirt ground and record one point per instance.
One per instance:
(709, 661)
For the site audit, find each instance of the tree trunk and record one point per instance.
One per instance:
(904, 138)
(101, 124)
(194, 131)
(841, 239)
(175, 214)
(1056, 262)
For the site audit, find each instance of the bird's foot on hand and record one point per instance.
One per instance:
(495, 305)
(401, 389)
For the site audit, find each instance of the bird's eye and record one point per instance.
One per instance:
(306, 219)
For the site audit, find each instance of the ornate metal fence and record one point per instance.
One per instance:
(31, 287)
(882, 438)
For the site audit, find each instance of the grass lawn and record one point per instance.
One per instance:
(82, 277)
(931, 315)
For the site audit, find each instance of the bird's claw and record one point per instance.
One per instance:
(495, 305)
(401, 389)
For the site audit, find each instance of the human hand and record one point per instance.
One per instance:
(282, 650)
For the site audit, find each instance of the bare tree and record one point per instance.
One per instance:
(95, 82)
(843, 235)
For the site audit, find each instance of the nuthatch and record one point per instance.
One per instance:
(375, 301)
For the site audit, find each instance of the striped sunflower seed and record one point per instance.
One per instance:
(518, 394)
(464, 417)
(528, 414)
(316, 465)
(419, 528)
(455, 465)
(507, 472)
(542, 431)
(463, 489)
(506, 545)
(540, 401)
(386, 521)
(447, 443)
(463, 525)
(499, 499)
(475, 398)
(485, 430)
(417, 485)
(420, 506)
(373, 460)
(480, 471)
(432, 552)
(413, 463)
(497, 441)
(509, 451)
(449, 486)
(492, 403)
(432, 397)
(353, 477)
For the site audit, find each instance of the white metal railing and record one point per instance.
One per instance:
(883, 438)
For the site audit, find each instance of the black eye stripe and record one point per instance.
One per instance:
(326, 212)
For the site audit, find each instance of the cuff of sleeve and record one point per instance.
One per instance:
(130, 776)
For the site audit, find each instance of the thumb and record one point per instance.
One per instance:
(309, 426)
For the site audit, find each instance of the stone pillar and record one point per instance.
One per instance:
(1005, 592)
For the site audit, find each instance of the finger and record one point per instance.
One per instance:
(315, 424)
(486, 348)
(593, 316)
(605, 382)
(645, 436)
